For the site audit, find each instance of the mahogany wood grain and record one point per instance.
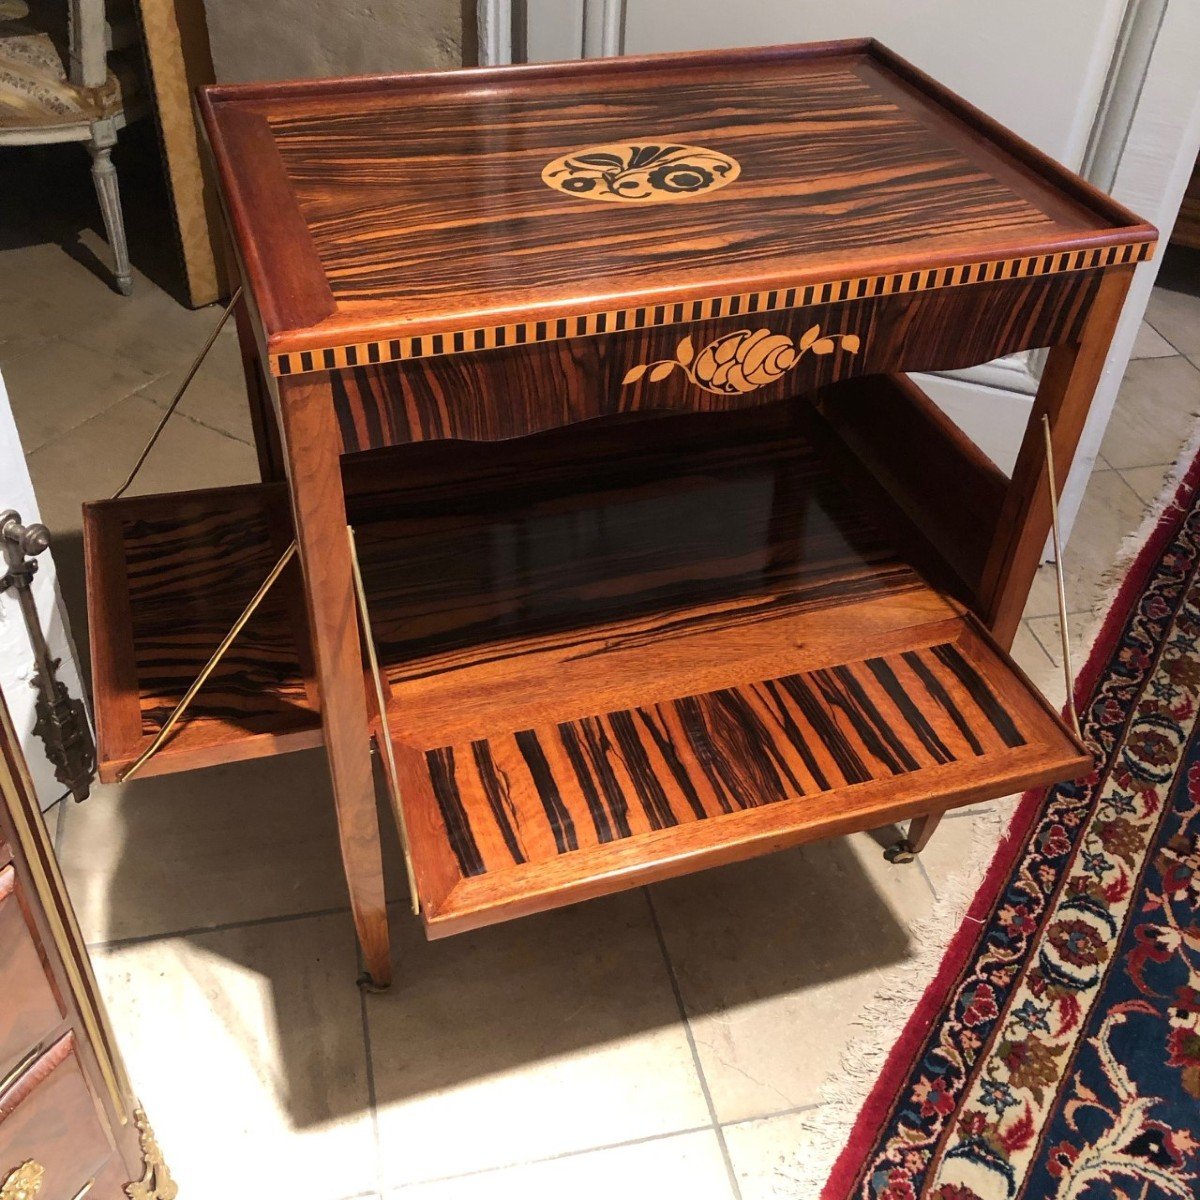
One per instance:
(934, 474)
(73, 1098)
(921, 829)
(543, 816)
(518, 390)
(428, 265)
(49, 1116)
(851, 164)
(31, 1009)
(1064, 394)
(310, 442)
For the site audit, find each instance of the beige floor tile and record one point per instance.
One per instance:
(1156, 411)
(203, 848)
(1044, 671)
(1151, 344)
(246, 1047)
(149, 328)
(526, 1040)
(1177, 317)
(216, 397)
(769, 1156)
(1111, 510)
(1148, 482)
(1047, 631)
(794, 941)
(687, 1165)
(92, 460)
(60, 385)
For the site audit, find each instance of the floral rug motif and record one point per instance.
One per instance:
(1057, 1052)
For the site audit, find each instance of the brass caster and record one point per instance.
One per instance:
(368, 985)
(900, 852)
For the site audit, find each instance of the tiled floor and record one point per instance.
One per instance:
(670, 1041)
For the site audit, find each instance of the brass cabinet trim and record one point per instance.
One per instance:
(22, 1065)
(156, 1182)
(23, 1182)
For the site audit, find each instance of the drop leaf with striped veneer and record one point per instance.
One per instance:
(744, 360)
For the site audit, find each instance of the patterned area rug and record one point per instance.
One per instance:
(1057, 1051)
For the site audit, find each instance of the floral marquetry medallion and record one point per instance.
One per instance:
(744, 360)
(645, 174)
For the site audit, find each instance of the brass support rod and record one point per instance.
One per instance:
(385, 734)
(209, 667)
(1060, 579)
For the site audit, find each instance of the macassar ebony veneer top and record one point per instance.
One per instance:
(583, 198)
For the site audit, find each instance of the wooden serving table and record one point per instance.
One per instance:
(667, 565)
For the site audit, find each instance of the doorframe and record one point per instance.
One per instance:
(1144, 97)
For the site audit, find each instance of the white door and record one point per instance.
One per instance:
(1104, 86)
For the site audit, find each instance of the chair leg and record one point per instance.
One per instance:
(104, 176)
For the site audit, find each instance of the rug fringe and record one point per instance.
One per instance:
(826, 1129)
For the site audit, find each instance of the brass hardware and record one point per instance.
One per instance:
(62, 723)
(209, 667)
(1060, 579)
(187, 379)
(156, 1182)
(744, 360)
(647, 173)
(26, 1061)
(83, 1191)
(24, 1183)
(389, 753)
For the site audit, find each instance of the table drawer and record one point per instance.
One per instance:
(30, 1010)
(49, 1119)
(700, 361)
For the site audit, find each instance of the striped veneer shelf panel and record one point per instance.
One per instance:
(469, 341)
(175, 576)
(594, 801)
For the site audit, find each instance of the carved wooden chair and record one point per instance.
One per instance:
(68, 73)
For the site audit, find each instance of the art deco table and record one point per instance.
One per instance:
(666, 562)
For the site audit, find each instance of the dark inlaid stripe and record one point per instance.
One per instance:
(779, 712)
(715, 753)
(909, 710)
(557, 813)
(645, 782)
(496, 788)
(852, 767)
(869, 709)
(981, 694)
(458, 825)
(934, 687)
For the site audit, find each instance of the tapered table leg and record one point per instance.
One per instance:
(1064, 395)
(311, 450)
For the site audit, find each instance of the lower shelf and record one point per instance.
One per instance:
(614, 653)
(538, 817)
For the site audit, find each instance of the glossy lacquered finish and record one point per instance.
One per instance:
(348, 198)
(618, 644)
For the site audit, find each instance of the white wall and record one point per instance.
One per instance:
(16, 657)
(1037, 67)
(304, 39)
